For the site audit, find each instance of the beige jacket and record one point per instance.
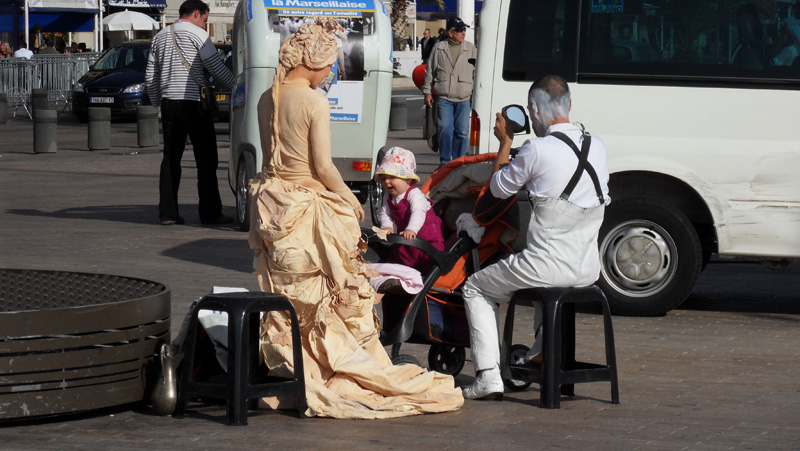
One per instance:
(452, 81)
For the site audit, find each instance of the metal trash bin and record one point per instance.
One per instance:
(74, 341)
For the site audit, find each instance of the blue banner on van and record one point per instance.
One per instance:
(607, 6)
(320, 7)
(336, 8)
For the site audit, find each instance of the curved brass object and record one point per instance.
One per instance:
(165, 393)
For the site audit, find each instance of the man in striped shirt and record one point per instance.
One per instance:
(176, 91)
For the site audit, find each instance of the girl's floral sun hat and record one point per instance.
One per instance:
(399, 162)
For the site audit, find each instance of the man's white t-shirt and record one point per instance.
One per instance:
(23, 53)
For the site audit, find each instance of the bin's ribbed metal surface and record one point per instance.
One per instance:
(73, 341)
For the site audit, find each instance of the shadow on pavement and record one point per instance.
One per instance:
(232, 254)
(746, 286)
(136, 214)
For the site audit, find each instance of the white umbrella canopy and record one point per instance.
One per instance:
(129, 20)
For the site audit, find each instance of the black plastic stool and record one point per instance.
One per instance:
(559, 371)
(242, 386)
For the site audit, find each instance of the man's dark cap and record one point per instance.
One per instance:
(456, 24)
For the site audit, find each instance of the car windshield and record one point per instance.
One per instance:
(127, 57)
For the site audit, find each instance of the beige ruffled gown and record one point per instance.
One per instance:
(307, 247)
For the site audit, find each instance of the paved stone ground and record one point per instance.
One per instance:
(718, 373)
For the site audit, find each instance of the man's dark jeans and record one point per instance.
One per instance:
(180, 118)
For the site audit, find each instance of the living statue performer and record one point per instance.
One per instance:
(306, 237)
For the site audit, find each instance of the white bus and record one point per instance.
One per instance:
(698, 103)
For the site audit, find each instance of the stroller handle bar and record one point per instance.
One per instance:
(444, 260)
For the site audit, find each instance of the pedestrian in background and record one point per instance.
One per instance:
(23, 51)
(426, 45)
(49, 48)
(450, 71)
(5, 50)
(172, 87)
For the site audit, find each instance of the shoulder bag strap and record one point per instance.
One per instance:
(183, 58)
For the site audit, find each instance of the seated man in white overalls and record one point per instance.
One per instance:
(567, 211)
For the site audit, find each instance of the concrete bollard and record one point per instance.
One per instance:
(38, 100)
(99, 128)
(147, 126)
(45, 133)
(3, 107)
(398, 115)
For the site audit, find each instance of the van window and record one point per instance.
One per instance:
(705, 41)
(540, 39)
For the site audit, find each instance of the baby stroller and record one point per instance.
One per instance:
(436, 315)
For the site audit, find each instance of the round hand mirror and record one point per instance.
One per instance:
(516, 117)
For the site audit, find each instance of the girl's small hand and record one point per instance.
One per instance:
(410, 235)
(388, 230)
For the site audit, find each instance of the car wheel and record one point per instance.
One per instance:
(244, 173)
(446, 359)
(82, 117)
(651, 257)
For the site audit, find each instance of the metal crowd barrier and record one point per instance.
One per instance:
(56, 73)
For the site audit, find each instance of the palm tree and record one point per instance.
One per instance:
(399, 20)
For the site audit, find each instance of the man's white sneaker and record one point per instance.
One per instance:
(487, 383)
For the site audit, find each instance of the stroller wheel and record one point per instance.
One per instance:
(403, 359)
(447, 359)
(517, 352)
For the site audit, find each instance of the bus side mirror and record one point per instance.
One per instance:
(515, 115)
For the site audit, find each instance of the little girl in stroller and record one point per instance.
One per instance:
(435, 315)
(406, 209)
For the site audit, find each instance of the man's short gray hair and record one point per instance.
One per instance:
(551, 94)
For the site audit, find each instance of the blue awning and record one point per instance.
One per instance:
(50, 21)
(138, 3)
(60, 21)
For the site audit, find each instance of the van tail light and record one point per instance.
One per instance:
(474, 130)
(362, 165)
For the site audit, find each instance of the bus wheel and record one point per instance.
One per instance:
(651, 257)
(244, 173)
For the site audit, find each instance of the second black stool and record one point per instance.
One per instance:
(242, 385)
(559, 370)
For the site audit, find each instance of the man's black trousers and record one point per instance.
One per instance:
(180, 118)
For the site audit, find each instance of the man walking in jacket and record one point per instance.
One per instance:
(450, 73)
(426, 45)
(176, 90)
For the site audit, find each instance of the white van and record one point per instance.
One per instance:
(360, 93)
(698, 112)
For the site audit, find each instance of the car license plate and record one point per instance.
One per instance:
(101, 100)
(220, 97)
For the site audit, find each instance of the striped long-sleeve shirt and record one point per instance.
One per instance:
(166, 76)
